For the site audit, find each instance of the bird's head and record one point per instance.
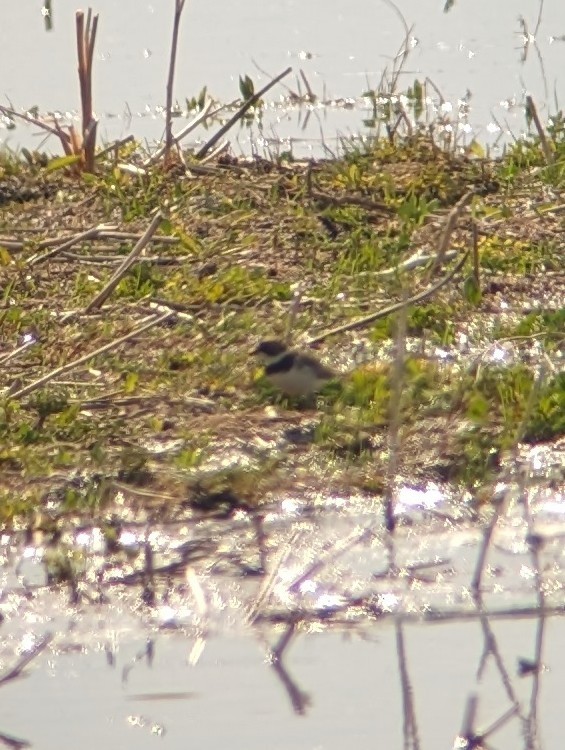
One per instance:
(270, 351)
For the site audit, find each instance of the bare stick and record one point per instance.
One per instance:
(16, 670)
(194, 123)
(311, 95)
(411, 738)
(115, 146)
(15, 352)
(87, 357)
(105, 232)
(79, 20)
(331, 553)
(394, 428)
(86, 39)
(532, 111)
(102, 296)
(442, 250)
(362, 322)
(179, 5)
(538, 22)
(270, 581)
(414, 261)
(87, 235)
(211, 155)
(38, 123)
(483, 551)
(476, 256)
(448, 228)
(239, 114)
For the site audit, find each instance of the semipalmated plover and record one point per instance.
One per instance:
(292, 372)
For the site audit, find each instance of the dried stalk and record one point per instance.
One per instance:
(86, 235)
(362, 322)
(476, 256)
(81, 146)
(239, 114)
(532, 111)
(449, 227)
(105, 232)
(87, 357)
(179, 5)
(103, 295)
(52, 129)
(86, 38)
(177, 138)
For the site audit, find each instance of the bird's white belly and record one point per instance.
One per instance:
(299, 381)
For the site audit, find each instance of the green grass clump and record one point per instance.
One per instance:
(503, 406)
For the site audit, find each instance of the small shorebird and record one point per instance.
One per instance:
(293, 373)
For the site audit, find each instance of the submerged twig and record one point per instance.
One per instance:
(411, 738)
(331, 553)
(490, 646)
(299, 699)
(24, 660)
(270, 581)
(394, 427)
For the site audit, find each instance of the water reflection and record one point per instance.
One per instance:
(474, 79)
(442, 617)
(461, 684)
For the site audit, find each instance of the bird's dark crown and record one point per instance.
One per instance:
(271, 348)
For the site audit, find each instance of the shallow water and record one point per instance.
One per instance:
(473, 54)
(232, 697)
(359, 635)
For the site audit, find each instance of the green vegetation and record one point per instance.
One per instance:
(247, 249)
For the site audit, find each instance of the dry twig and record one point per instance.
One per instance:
(362, 322)
(88, 234)
(24, 660)
(179, 5)
(239, 114)
(87, 357)
(103, 295)
(533, 113)
(86, 37)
